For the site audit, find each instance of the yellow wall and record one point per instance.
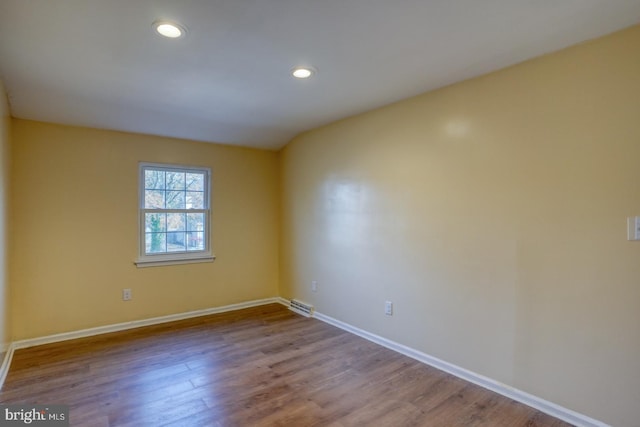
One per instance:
(493, 214)
(75, 229)
(5, 124)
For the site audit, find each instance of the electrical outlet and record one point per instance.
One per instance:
(388, 308)
(314, 286)
(126, 295)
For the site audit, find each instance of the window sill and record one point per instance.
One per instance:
(143, 263)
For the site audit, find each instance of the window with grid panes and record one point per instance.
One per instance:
(174, 214)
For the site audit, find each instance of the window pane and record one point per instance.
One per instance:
(176, 222)
(195, 200)
(155, 222)
(175, 200)
(153, 179)
(175, 242)
(175, 181)
(153, 199)
(195, 241)
(195, 222)
(155, 243)
(195, 181)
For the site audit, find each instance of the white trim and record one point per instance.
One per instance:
(6, 363)
(540, 404)
(572, 417)
(169, 258)
(31, 342)
(142, 263)
(283, 301)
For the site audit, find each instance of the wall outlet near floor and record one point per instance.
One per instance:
(388, 308)
(314, 286)
(126, 295)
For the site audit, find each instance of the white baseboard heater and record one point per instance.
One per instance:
(301, 307)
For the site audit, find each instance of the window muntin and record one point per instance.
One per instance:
(174, 212)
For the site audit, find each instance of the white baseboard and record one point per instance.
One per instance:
(31, 342)
(6, 363)
(538, 403)
(542, 405)
(65, 336)
(283, 301)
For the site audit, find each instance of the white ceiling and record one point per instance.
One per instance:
(98, 63)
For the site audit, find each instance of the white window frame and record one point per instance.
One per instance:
(186, 257)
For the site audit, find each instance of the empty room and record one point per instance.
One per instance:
(320, 213)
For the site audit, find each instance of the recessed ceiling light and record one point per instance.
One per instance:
(303, 72)
(169, 29)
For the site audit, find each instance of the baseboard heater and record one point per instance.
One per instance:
(301, 307)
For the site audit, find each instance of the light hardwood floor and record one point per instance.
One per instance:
(263, 366)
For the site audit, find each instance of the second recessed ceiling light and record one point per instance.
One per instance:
(169, 29)
(303, 72)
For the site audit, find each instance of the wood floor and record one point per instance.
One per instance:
(263, 366)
